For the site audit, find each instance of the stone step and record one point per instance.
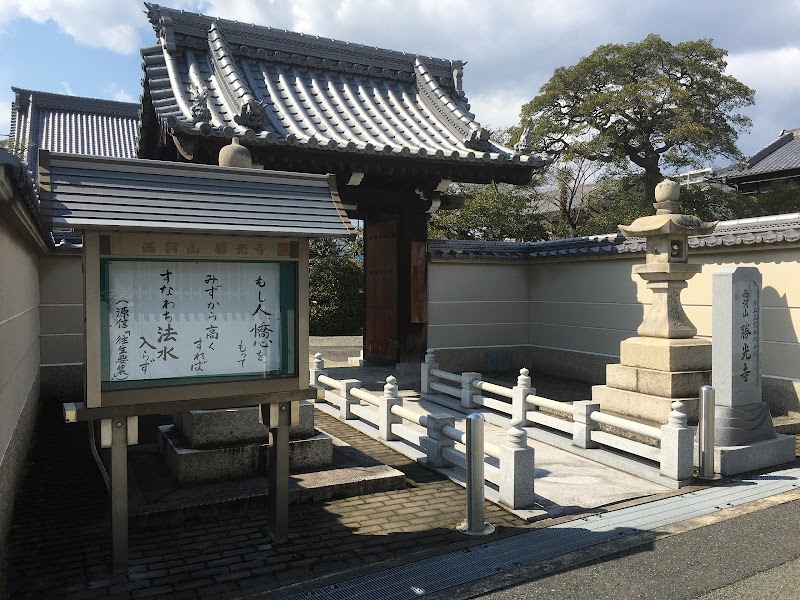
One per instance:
(641, 406)
(678, 384)
(661, 354)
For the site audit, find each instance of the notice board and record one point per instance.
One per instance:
(172, 317)
(182, 321)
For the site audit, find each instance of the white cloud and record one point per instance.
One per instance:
(498, 109)
(773, 75)
(109, 24)
(770, 72)
(115, 92)
(66, 88)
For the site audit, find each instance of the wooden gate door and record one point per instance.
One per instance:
(381, 341)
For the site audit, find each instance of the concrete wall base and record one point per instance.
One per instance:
(13, 461)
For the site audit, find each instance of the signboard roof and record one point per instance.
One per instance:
(91, 192)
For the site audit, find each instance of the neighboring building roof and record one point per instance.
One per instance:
(757, 230)
(23, 184)
(41, 120)
(778, 157)
(217, 78)
(92, 192)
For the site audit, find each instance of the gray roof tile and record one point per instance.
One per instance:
(270, 86)
(782, 154)
(60, 123)
(756, 230)
(107, 193)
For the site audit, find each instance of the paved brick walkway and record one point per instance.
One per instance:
(59, 543)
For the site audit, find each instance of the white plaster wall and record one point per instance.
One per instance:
(61, 284)
(19, 361)
(583, 305)
(477, 304)
(587, 306)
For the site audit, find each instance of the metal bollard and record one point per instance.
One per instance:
(705, 433)
(475, 524)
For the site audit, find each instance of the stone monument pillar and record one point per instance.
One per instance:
(666, 362)
(744, 436)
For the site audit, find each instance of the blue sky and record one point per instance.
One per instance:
(90, 47)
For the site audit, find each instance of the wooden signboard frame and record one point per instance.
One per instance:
(277, 397)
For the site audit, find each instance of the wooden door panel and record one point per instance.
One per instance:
(380, 261)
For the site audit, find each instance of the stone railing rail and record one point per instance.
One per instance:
(580, 420)
(508, 468)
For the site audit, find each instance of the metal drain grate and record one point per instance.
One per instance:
(455, 568)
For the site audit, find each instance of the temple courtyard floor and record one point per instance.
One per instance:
(360, 547)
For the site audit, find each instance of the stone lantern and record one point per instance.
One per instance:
(666, 267)
(666, 363)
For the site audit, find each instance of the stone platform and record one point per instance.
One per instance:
(203, 446)
(652, 374)
(155, 499)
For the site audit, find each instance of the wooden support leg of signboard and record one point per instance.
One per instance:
(278, 518)
(119, 494)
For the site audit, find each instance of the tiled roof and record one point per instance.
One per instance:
(24, 185)
(272, 87)
(757, 230)
(40, 120)
(92, 192)
(782, 154)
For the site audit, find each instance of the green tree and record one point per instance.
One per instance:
(495, 211)
(641, 103)
(619, 199)
(335, 296)
(337, 246)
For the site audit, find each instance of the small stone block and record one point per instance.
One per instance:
(732, 460)
(692, 354)
(221, 427)
(235, 426)
(190, 465)
(306, 427)
(311, 453)
(678, 384)
(641, 406)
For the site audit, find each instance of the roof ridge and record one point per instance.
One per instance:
(782, 140)
(70, 102)
(195, 25)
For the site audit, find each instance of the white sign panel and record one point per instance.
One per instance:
(177, 319)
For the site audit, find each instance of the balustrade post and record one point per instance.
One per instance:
(435, 442)
(386, 418)
(677, 445)
(317, 369)
(516, 469)
(582, 424)
(348, 400)
(425, 374)
(467, 391)
(519, 399)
